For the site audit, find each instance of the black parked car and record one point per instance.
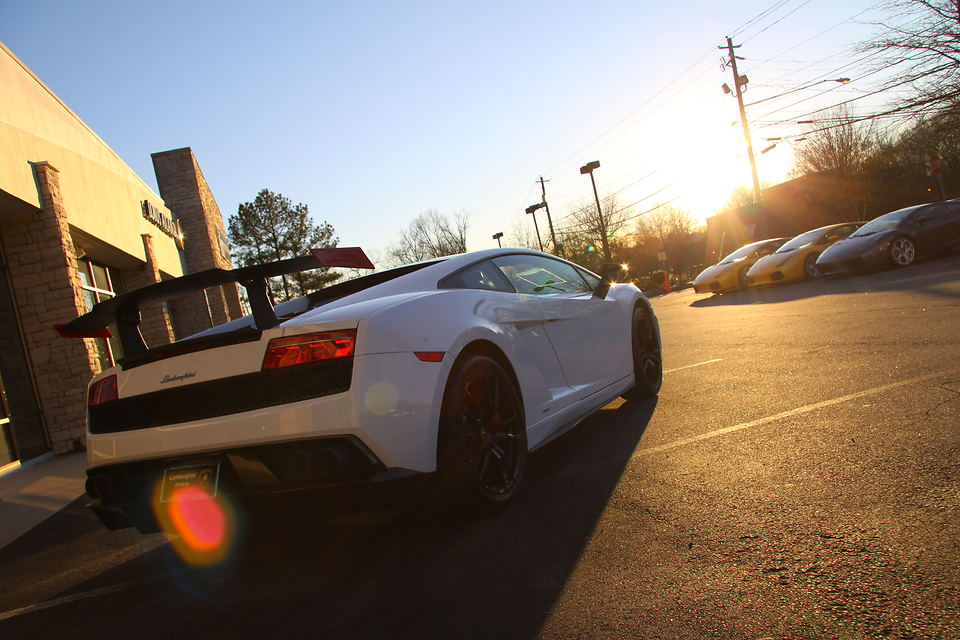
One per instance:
(896, 239)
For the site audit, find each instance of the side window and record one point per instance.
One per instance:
(941, 211)
(593, 280)
(843, 232)
(541, 276)
(479, 276)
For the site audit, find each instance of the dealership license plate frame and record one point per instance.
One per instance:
(203, 475)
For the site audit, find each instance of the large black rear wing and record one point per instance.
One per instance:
(125, 308)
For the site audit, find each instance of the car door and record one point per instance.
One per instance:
(545, 389)
(937, 226)
(590, 335)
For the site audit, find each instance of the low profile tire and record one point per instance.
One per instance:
(482, 448)
(903, 252)
(647, 359)
(810, 270)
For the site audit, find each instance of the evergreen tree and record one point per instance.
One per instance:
(272, 228)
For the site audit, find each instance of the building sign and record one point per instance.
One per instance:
(163, 222)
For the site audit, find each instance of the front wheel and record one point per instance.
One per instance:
(902, 252)
(647, 359)
(810, 270)
(482, 447)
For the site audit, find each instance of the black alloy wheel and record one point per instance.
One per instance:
(483, 437)
(647, 359)
(810, 270)
(903, 251)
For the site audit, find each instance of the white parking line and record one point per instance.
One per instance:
(93, 593)
(793, 412)
(690, 366)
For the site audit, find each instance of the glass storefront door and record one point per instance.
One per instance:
(7, 451)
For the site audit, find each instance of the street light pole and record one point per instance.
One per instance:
(497, 236)
(533, 210)
(588, 168)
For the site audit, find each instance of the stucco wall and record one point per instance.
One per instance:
(102, 195)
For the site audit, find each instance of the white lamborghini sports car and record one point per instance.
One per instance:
(450, 369)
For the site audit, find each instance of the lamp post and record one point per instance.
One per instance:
(497, 236)
(533, 209)
(543, 199)
(588, 168)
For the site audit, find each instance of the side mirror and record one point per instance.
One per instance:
(609, 273)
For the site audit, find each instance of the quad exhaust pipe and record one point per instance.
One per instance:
(317, 463)
(99, 487)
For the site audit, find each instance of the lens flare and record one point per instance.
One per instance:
(381, 398)
(198, 519)
(203, 526)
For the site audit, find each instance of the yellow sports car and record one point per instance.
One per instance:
(731, 272)
(797, 259)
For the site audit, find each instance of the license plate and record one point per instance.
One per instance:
(202, 476)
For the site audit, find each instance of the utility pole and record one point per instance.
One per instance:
(543, 198)
(738, 83)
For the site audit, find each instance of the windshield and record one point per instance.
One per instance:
(886, 222)
(801, 241)
(740, 254)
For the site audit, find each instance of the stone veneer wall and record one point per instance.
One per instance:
(187, 194)
(155, 322)
(46, 286)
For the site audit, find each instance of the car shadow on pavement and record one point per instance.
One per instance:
(923, 276)
(414, 577)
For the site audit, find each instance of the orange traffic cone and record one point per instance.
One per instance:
(666, 283)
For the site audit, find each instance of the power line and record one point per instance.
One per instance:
(763, 13)
(775, 22)
(866, 95)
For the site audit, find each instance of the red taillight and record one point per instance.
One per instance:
(102, 391)
(309, 347)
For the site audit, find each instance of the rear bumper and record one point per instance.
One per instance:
(349, 479)
(390, 408)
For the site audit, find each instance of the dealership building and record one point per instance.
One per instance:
(78, 226)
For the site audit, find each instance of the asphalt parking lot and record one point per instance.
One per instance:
(797, 478)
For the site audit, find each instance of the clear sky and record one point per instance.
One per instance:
(374, 112)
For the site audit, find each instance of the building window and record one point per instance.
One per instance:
(99, 283)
